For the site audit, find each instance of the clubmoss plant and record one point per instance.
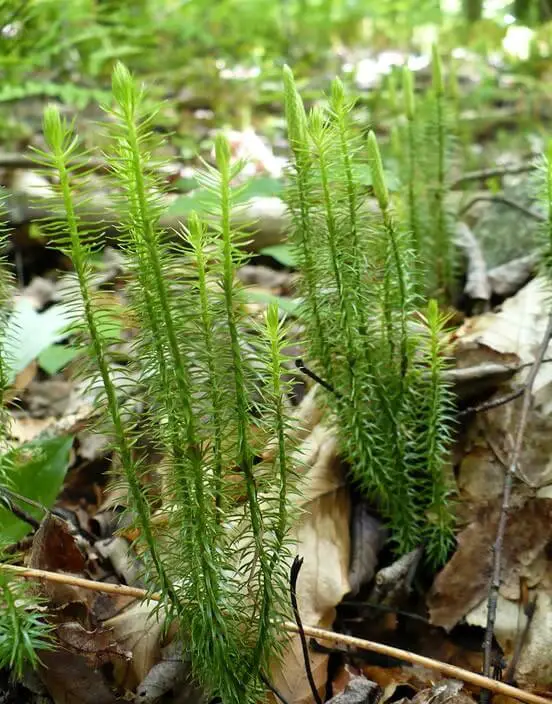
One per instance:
(428, 147)
(365, 336)
(215, 401)
(4, 376)
(415, 205)
(441, 236)
(546, 189)
(23, 631)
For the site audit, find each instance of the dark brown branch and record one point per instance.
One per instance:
(505, 508)
(482, 174)
(18, 512)
(294, 574)
(495, 403)
(302, 367)
(504, 201)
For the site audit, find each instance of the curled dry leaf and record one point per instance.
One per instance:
(507, 279)
(464, 581)
(55, 549)
(367, 538)
(125, 564)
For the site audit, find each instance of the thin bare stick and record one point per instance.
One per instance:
(505, 508)
(60, 578)
(482, 174)
(18, 512)
(495, 403)
(444, 668)
(294, 574)
(318, 633)
(521, 640)
(533, 214)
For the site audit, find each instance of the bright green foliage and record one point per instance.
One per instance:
(85, 38)
(364, 334)
(23, 633)
(415, 203)
(214, 402)
(35, 471)
(4, 366)
(545, 188)
(426, 151)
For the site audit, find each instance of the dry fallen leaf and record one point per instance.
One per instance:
(173, 672)
(464, 581)
(26, 428)
(516, 329)
(97, 647)
(358, 691)
(55, 549)
(322, 539)
(138, 629)
(70, 680)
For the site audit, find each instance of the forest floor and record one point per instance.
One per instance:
(110, 647)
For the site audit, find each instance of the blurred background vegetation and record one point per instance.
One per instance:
(217, 63)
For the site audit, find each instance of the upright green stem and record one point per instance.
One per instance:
(79, 261)
(215, 391)
(245, 458)
(192, 451)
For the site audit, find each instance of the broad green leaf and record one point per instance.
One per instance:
(282, 253)
(54, 358)
(197, 200)
(261, 186)
(289, 305)
(29, 333)
(38, 472)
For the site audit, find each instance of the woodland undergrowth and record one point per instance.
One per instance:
(371, 284)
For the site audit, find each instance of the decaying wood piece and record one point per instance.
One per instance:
(477, 285)
(507, 279)
(264, 218)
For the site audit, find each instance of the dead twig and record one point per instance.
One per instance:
(294, 574)
(302, 367)
(482, 174)
(18, 512)
(530, 613)
(505, 508)
(539, 217)
(318, 633)
(494, 403)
